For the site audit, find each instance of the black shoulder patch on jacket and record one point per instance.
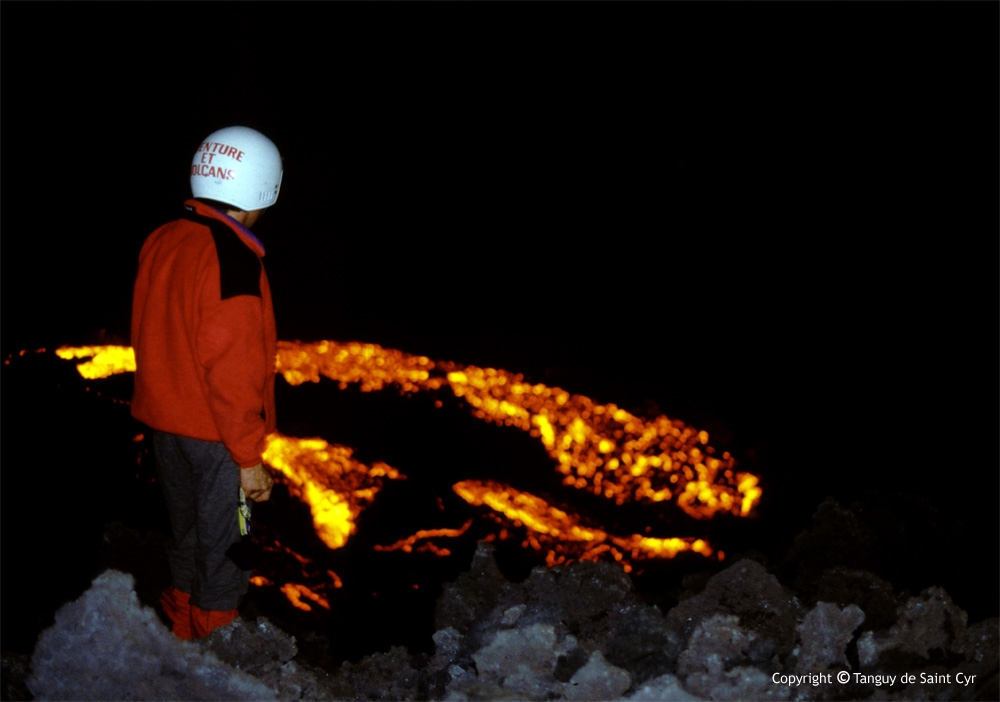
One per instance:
(239, 267)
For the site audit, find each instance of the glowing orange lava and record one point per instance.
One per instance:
(409, 544)
(562, 537)
(104, 360)
(295, 594)
(325, 476)
(599, 448)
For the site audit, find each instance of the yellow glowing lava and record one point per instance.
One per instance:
(561, 536)
(369, 365)
(599, 448)
(104, 360)
(326, 477)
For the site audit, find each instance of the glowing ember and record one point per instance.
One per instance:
(599, 448)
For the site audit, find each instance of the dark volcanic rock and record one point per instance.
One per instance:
(874, 595)
(106, 646)
(381, 676)
(15, 670)
(473, 595)
(578, 609)
(760, 603)
(574, 632)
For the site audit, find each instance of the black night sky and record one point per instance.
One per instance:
(776, 221)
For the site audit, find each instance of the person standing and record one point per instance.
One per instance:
(204, 336)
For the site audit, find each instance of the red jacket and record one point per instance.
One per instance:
(204, 335)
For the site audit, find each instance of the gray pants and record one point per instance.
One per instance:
(201, 485)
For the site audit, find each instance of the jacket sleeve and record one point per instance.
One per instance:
(232, 350)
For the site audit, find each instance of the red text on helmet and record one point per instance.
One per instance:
(214, 147)
(199, 169)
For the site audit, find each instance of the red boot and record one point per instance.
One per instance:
(177, 607)
(204, 621)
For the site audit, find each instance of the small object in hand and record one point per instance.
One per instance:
(244, 512)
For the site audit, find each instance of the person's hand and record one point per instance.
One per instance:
(256, 482)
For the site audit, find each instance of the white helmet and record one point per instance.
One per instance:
(238, 166)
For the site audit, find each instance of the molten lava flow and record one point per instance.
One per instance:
(408, 544)
(369, 365)
(599, 448)
(295, 593)
(562, 536)
(104, 360)
(334, 485)
(325, 476)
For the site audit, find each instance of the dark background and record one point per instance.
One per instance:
(776, 222)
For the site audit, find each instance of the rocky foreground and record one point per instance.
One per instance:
(577, 632)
